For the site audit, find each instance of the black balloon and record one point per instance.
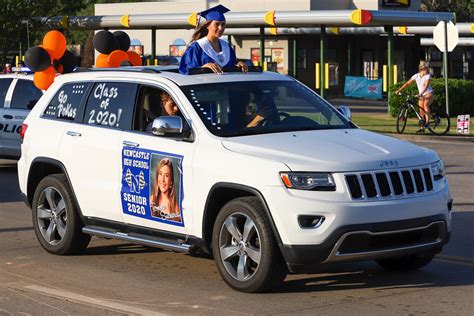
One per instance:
(37, 59)
(68, 61)
(123, 40)
(105, 42)
(56, 65)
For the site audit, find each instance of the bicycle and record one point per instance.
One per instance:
(438, 123)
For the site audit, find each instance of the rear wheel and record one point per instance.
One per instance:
(402, 118)
(439, 122)
(56, 220)
(244, 247)
(406, 263)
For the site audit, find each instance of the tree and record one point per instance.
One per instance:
(464, 9)
(15, 15)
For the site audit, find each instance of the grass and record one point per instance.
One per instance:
(386, 124)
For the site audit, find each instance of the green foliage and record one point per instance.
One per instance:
(461, 96)
(464, 9)
(15, 14)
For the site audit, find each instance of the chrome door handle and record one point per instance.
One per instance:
(130, 144)
(73, 134)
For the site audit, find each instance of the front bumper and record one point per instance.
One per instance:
(370, 241)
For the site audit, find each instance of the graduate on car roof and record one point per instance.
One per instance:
(206, 49)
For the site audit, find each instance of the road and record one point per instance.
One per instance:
(114, 277)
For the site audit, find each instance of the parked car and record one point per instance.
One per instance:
(18, 95)
(254, 168)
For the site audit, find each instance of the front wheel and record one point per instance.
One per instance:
(439, 123)
(244, 247)
(402, 119)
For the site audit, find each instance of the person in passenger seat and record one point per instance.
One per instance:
(152, 110)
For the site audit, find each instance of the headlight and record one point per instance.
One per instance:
(317, 181)
(438, 170)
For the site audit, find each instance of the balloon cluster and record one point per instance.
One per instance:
(113, 49)
(50, 57)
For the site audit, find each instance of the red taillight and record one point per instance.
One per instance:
(23, 129)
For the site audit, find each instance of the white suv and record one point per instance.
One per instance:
(254, 168)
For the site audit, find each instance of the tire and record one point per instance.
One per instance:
(248, 259)
(56, 219)
(402, 118)
(406, 263)
(439, 123)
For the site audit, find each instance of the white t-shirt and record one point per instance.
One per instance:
(420, 82)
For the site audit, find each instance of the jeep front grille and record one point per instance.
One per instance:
(389, 184)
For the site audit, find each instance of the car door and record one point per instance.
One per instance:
(4, 86)
(24, 97)
(90, 149)
(146, 160)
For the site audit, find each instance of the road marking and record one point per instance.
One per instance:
(89, 300)
(454, 259)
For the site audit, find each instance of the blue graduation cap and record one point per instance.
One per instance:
(215, 13)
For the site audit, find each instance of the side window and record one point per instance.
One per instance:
(151, 103)
(111, 104)
(25, 95)
(4, 85)
(66, 103)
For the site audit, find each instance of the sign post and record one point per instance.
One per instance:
(445, 44)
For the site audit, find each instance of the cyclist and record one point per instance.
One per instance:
(425, 92)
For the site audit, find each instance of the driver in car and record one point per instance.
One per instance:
(262, 110)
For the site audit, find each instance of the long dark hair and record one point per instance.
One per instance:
(173, 206)
(200, 32)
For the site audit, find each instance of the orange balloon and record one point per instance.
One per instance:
(116, 57)
(134, 58)
(43, 79)
(55, 41)
(60, 69)
(102, 61)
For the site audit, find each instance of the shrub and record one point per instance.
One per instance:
(461, 96)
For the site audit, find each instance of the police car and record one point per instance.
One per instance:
(18, 95)
(254, 168)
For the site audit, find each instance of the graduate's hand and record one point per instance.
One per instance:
(243, 66)
(214, 67)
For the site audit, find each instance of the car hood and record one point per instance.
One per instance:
(341, 150)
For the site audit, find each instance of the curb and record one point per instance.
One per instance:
(434, 138)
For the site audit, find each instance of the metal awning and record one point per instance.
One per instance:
(339, 18)
(465, 29)
(463, 41)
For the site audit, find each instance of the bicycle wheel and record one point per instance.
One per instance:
(402, 118)
(439, 122)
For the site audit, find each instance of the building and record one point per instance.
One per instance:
(297, 53)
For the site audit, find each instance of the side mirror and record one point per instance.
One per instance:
(345, 111)
(171, 126)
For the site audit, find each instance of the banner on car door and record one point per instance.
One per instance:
(152, 185)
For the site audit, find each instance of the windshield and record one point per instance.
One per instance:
(249, 108)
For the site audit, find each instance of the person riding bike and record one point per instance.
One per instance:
(425, 92)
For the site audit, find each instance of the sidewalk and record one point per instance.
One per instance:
(378, 109)
(367, 107)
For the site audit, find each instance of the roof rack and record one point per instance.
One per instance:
(200, 71)
(146, 69)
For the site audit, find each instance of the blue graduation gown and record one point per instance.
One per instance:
(195, 57)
